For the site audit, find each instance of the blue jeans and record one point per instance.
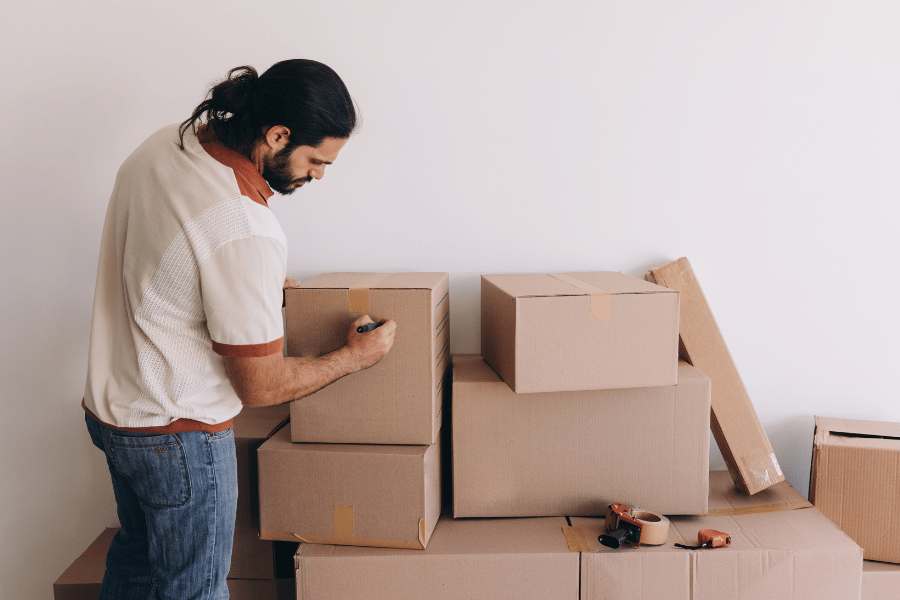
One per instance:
(176, 496)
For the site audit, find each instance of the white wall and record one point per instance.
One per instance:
(759, 139)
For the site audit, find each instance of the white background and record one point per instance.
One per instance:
(759, 139)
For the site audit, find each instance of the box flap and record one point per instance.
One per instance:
(846, 428)
(380, 281)
(254, 426)
(531, 285)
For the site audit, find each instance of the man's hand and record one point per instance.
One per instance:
(370, 347)
(274, 379)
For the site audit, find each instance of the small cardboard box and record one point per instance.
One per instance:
(781, 548)
(579, 331)
(880, 581)
(356, 494)
(480, 559)
(574, 453)
(251, 557)
(855, 482)
(398, 400)
(83, 578)
(735, 425)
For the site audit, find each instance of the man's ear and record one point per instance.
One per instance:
(277, 137)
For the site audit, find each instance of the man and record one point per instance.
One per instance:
(187, 324)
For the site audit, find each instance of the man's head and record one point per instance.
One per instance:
(287, 167)
(295, 116)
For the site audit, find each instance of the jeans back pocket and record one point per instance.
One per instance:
(155, 466)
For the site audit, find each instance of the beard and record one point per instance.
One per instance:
(278, 174)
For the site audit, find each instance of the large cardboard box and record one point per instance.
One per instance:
(880, 581)
(735, 425)
(397, 401)
(357, 494)
(471, 559)
(83, 578)
(781, 548)
(579, 331)
(855, 482)
(574, 453)
(251, 557)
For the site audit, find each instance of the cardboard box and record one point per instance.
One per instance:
(574, 453)
(579, 331)
(782, 549)
(735, 425)
(251, 557)
(880, 581)
(855, 482)
(493, 559)
(83, 578)
(397, 401)
(362, 495)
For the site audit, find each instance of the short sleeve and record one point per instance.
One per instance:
(241, 288)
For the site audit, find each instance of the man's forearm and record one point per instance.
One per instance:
(271, 380)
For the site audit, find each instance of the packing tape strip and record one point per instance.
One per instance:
(575, 539)
(343, 534)
(601, 300)
(358, 293)
(654, 527)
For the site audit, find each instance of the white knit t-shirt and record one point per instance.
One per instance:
(192, 265)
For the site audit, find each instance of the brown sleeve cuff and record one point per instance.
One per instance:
(249, 350)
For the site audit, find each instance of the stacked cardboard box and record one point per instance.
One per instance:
(259, 569)
(360, 464)
(595, 407)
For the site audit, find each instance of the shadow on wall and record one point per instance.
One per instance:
(792, 440)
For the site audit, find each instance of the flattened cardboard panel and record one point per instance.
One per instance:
(735, 424)
(526, 559)
(573, 453)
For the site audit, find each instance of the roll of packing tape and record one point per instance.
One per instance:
(654, 527)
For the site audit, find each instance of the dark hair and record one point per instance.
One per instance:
(305, 96)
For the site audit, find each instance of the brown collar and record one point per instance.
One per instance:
(249, 179)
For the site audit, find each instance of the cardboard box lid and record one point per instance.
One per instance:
(531, 285)
(851, 433)
(281, 443)
(376, 281)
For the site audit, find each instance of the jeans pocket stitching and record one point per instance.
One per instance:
(172, 441)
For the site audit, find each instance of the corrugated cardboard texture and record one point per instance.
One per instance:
(855, 482)
(735, 425)
(366, 495)
(524, 559)
(880, 581)
(579, 331)
(251, 557)
(574, 453)
(82, 580)
(397, 401)
(779, 555)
